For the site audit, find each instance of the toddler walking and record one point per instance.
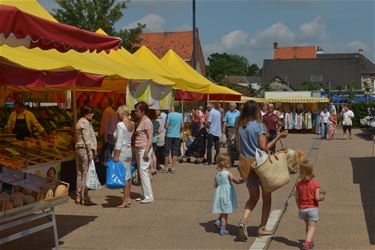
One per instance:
(225, 199)
(307, 197)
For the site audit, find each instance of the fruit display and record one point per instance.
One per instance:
(29, 190)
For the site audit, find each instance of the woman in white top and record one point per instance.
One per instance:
(123, 151)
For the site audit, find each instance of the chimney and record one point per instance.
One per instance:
(360, 51)
(319, 51)
(274, 45)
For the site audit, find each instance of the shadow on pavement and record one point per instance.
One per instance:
(211, 228)
(113, 201)
(288, 242)
(366, 134)
(364, 175)
(44, 240)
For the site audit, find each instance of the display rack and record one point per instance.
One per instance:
(31, 212)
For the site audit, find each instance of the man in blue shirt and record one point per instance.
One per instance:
(173, 126)
(214, 132)
(229, 123)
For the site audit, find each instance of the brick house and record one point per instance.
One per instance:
(180, 41)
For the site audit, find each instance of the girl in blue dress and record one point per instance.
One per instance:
(225, 199)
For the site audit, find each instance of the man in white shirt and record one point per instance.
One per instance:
(214, 133)
(324, 120)
(347, 115)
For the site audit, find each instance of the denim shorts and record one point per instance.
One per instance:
(253, 183)
(310, 214)
(172, 145)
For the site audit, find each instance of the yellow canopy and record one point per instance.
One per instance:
(31, 7)
(176, 63)
(247, 98)
(292, 99)
(299, 99)
(124, 57)
(146, 57)
(94, 63)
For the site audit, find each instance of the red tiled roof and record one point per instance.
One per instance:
(305, 52)
(160, 42)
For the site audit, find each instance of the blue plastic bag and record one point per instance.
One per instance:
(116, 173)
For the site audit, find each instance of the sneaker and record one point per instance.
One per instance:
(311, 245)
(172, 170)
(164, 170)
(147, 200)
(138, 199)
(242, 232)
(307, 245)
(223, 232)
(217, 224)
(262, 231)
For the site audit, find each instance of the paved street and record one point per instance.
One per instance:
(181, 218)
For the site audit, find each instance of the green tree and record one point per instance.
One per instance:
(350, 90)
(253, 70)
(94, 14)
(310, 86)
(220, 65)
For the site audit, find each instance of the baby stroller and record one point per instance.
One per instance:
(233, 152)
(197, 149)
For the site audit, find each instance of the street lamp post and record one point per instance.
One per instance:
(194, 62)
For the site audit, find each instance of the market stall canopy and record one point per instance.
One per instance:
(31, 30)
(91, 63)
(32, 7)
(146, 57)
(176, 63)
(255, 99)
(124, 57)
(298, 99)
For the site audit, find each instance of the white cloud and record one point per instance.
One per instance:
(314, 31)
(278, 32)
(234, 39)
(153, 23)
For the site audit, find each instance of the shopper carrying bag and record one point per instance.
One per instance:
(252, 136)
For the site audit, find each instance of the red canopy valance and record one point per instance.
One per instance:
(51, 35)
(189, 96)
(10, 75)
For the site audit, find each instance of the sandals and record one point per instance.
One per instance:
(125, 204)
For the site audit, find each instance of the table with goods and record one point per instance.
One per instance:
(26, 197)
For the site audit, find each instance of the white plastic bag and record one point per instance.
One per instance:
(260, 156)
(92, 181)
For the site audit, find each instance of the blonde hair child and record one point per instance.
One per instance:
(225, 199)
(307, 197)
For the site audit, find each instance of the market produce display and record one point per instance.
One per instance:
(18, 189)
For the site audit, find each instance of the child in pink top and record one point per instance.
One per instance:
(307, 197)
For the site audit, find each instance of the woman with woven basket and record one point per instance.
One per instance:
(252, 135)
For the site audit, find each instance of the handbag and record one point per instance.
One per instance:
(245, 166)
(92, 181)
(116, 173)
(273, 173)
(244, 163)
(260, 156)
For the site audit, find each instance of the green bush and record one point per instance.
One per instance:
(360, 111)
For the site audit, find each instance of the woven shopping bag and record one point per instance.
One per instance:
(273, 173)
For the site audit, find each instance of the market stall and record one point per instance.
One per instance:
(210, 90)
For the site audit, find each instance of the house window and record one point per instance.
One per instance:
(316, 78)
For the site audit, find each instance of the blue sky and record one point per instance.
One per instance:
(249, 28)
